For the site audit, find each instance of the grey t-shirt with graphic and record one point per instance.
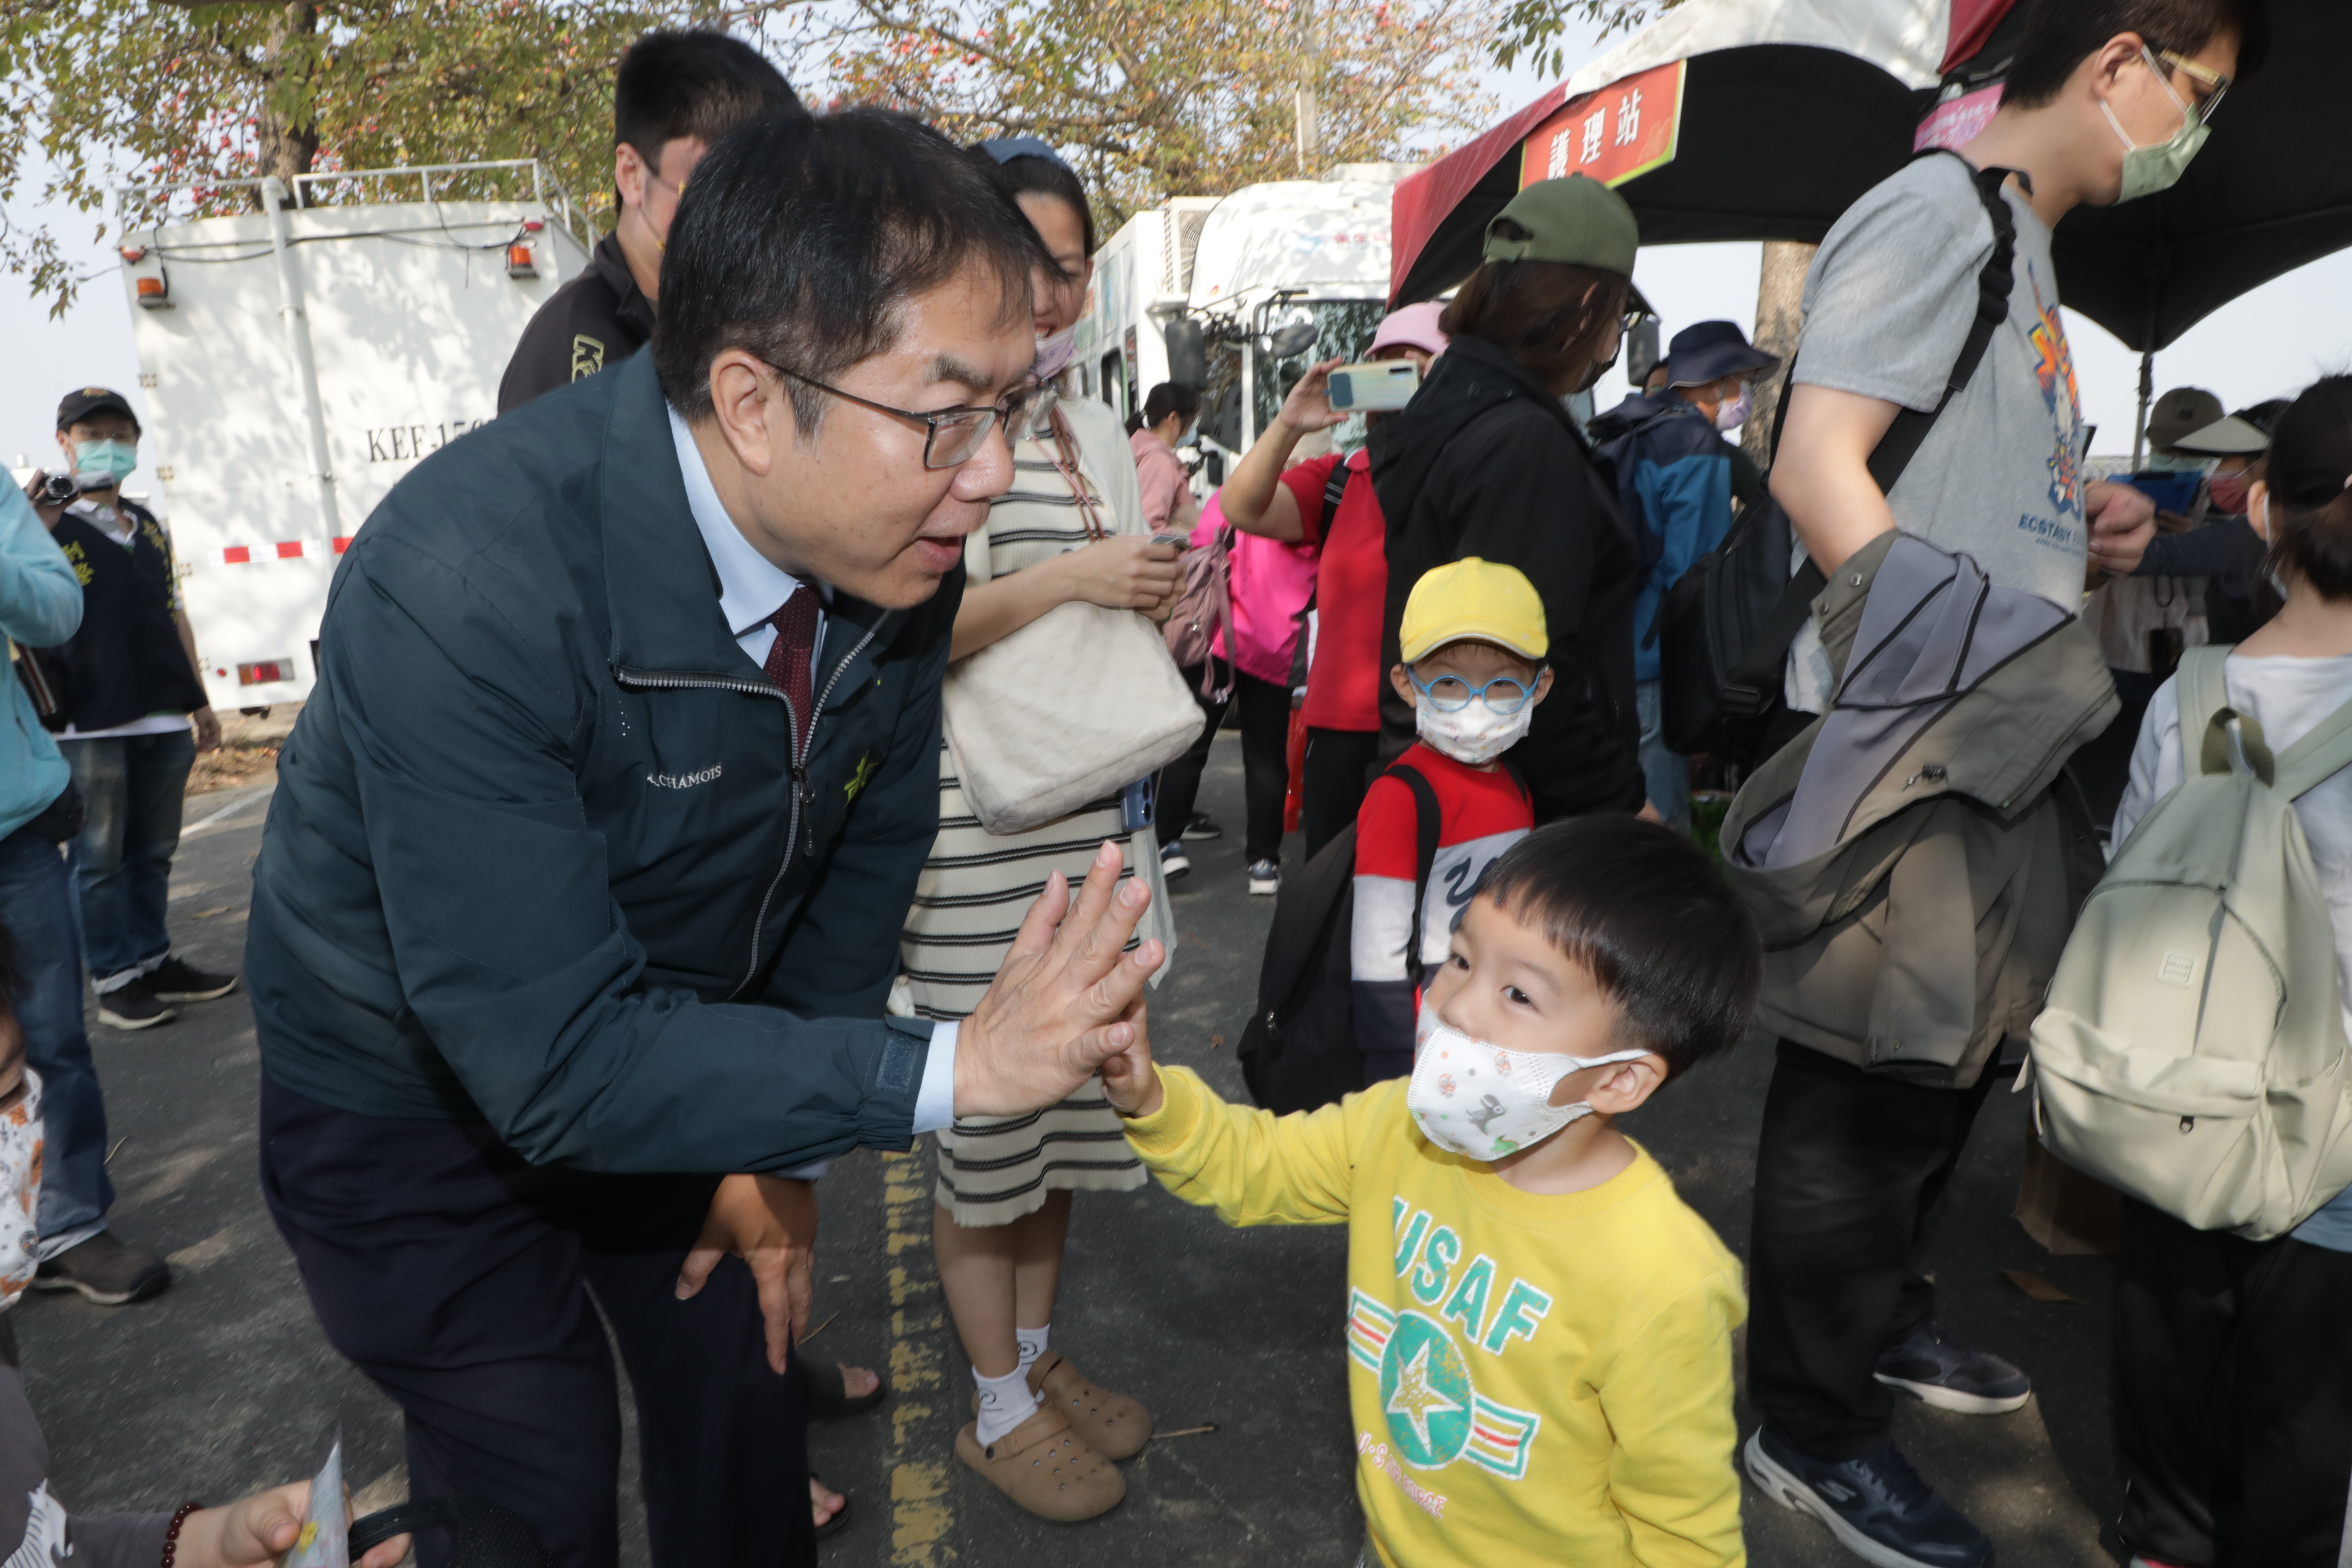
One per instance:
(1887, 307)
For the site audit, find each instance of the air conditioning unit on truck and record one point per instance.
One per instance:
(1275, 276)
(298, 362)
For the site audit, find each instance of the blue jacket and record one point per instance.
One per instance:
(540, 853)
(40, 606)
(1673, 481)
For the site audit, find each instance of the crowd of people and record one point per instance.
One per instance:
(624, 866)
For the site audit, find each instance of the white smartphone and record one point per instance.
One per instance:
(1375, 386)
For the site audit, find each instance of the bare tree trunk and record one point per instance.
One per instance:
(1779, 312)
(287, 141)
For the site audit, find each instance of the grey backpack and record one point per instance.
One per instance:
(2192, 1051)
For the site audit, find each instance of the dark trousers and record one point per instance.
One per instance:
(1340, 768)
(1265, 764)
(36, 906)
(1850, 1171)
(2233, 1395)
(460, 1279)
(132, 786)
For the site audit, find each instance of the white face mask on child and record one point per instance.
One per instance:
(20, 1190)
(1473, 733)
(1483, 1101)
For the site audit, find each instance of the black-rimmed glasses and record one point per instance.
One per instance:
(950, 436)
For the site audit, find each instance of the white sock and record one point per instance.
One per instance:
(1032, 1344)
(1004, 1402)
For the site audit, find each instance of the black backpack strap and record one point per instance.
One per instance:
(1427, 821)
(1760, 669)
(1334, 490)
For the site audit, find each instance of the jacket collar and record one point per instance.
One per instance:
(662, 592)
(611, 264)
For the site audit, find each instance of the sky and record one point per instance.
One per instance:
(2267, 343)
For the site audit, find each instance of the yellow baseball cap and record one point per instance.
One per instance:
(1474, 600)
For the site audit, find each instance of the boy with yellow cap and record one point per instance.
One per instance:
(1472, 642)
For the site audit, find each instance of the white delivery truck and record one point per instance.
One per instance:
(1277, 275)
(298, 361)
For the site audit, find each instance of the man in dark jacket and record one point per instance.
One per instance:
(674, 95)
(589, 852)
(1485, 461)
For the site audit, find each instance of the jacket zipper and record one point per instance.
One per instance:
(655, 680)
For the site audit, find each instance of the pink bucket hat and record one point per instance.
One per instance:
(1413, 327)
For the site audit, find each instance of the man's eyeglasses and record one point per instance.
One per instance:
(2207, 87)
(1451, 693)
(950, 436)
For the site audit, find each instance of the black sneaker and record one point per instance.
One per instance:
(1876, 1506)
(172, 980)
(133, 1006)
(1203, 826)
(105, 1270)
(1950, 1375)
(1174, 861)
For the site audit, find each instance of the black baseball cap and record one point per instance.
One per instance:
(79, 405)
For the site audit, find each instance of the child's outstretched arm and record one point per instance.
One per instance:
(1251, 1166)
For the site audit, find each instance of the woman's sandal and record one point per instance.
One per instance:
(1046, 1468)
(828, 1391)
(840, 1520)
(1112, 1425)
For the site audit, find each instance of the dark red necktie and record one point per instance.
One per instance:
(789, 656)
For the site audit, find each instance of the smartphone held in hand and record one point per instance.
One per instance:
(1375, 386)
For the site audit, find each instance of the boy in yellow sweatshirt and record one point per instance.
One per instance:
(1539, 1330)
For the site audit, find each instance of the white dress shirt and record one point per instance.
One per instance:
(750, 589)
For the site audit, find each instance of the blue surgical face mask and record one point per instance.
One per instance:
(109, 456)
(2148, 170)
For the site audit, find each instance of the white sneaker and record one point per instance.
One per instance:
(1265, 878)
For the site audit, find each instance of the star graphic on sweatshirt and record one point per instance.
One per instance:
(1416, 1399)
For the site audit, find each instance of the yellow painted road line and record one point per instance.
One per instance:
(920, 1515)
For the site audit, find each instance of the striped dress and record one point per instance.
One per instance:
(976, 886)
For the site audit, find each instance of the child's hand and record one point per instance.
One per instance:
(1129, 1081)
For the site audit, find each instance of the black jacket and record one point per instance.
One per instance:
(540, 853)
(598, 319)
(1484, 461)
(126, 661)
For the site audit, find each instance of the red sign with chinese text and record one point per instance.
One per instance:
(1625, 128)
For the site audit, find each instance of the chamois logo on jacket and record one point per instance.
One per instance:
(685, 780)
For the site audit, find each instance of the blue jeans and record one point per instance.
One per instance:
(132, 786)
(36, 906)
(1666, 775)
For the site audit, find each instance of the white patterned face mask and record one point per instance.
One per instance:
(1483, 1101)
(20, 1190)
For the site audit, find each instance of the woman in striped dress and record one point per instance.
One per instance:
(1070, 528)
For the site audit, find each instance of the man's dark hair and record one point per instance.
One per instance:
(1032, 175)
(2309, 471)
(1647, 913)
(1553, 317)
(697, 84)
(800, 241)
(2060, 35)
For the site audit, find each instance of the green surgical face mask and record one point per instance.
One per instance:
(2148, 170)
(107, 457)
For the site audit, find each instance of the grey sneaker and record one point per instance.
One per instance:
(104, 1270)
(133, 1007)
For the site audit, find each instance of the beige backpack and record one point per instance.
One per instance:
(2192, 1051)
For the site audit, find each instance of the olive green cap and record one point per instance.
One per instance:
(1577, 220)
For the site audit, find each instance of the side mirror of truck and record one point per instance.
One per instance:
(1291, 341)
(1188, 353)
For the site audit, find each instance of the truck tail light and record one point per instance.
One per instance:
(263, 672)
(518, 261)
(155, 293)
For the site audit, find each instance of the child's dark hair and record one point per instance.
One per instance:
(1644, 910)
(2308, 468)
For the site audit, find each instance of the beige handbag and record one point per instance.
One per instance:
(1069, 710)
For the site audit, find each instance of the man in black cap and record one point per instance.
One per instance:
(674, 95)
(1677, 477)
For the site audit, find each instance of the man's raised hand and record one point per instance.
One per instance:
(1062, 999)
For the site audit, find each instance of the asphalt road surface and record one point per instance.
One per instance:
(224, 1383)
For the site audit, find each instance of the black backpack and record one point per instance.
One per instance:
(1299, 1050)
(1725, 628)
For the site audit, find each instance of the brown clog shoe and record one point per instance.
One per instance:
(1112, 1425)
(1046, 1468)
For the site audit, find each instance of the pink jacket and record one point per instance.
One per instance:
(1271, 583)
(1168, 503)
